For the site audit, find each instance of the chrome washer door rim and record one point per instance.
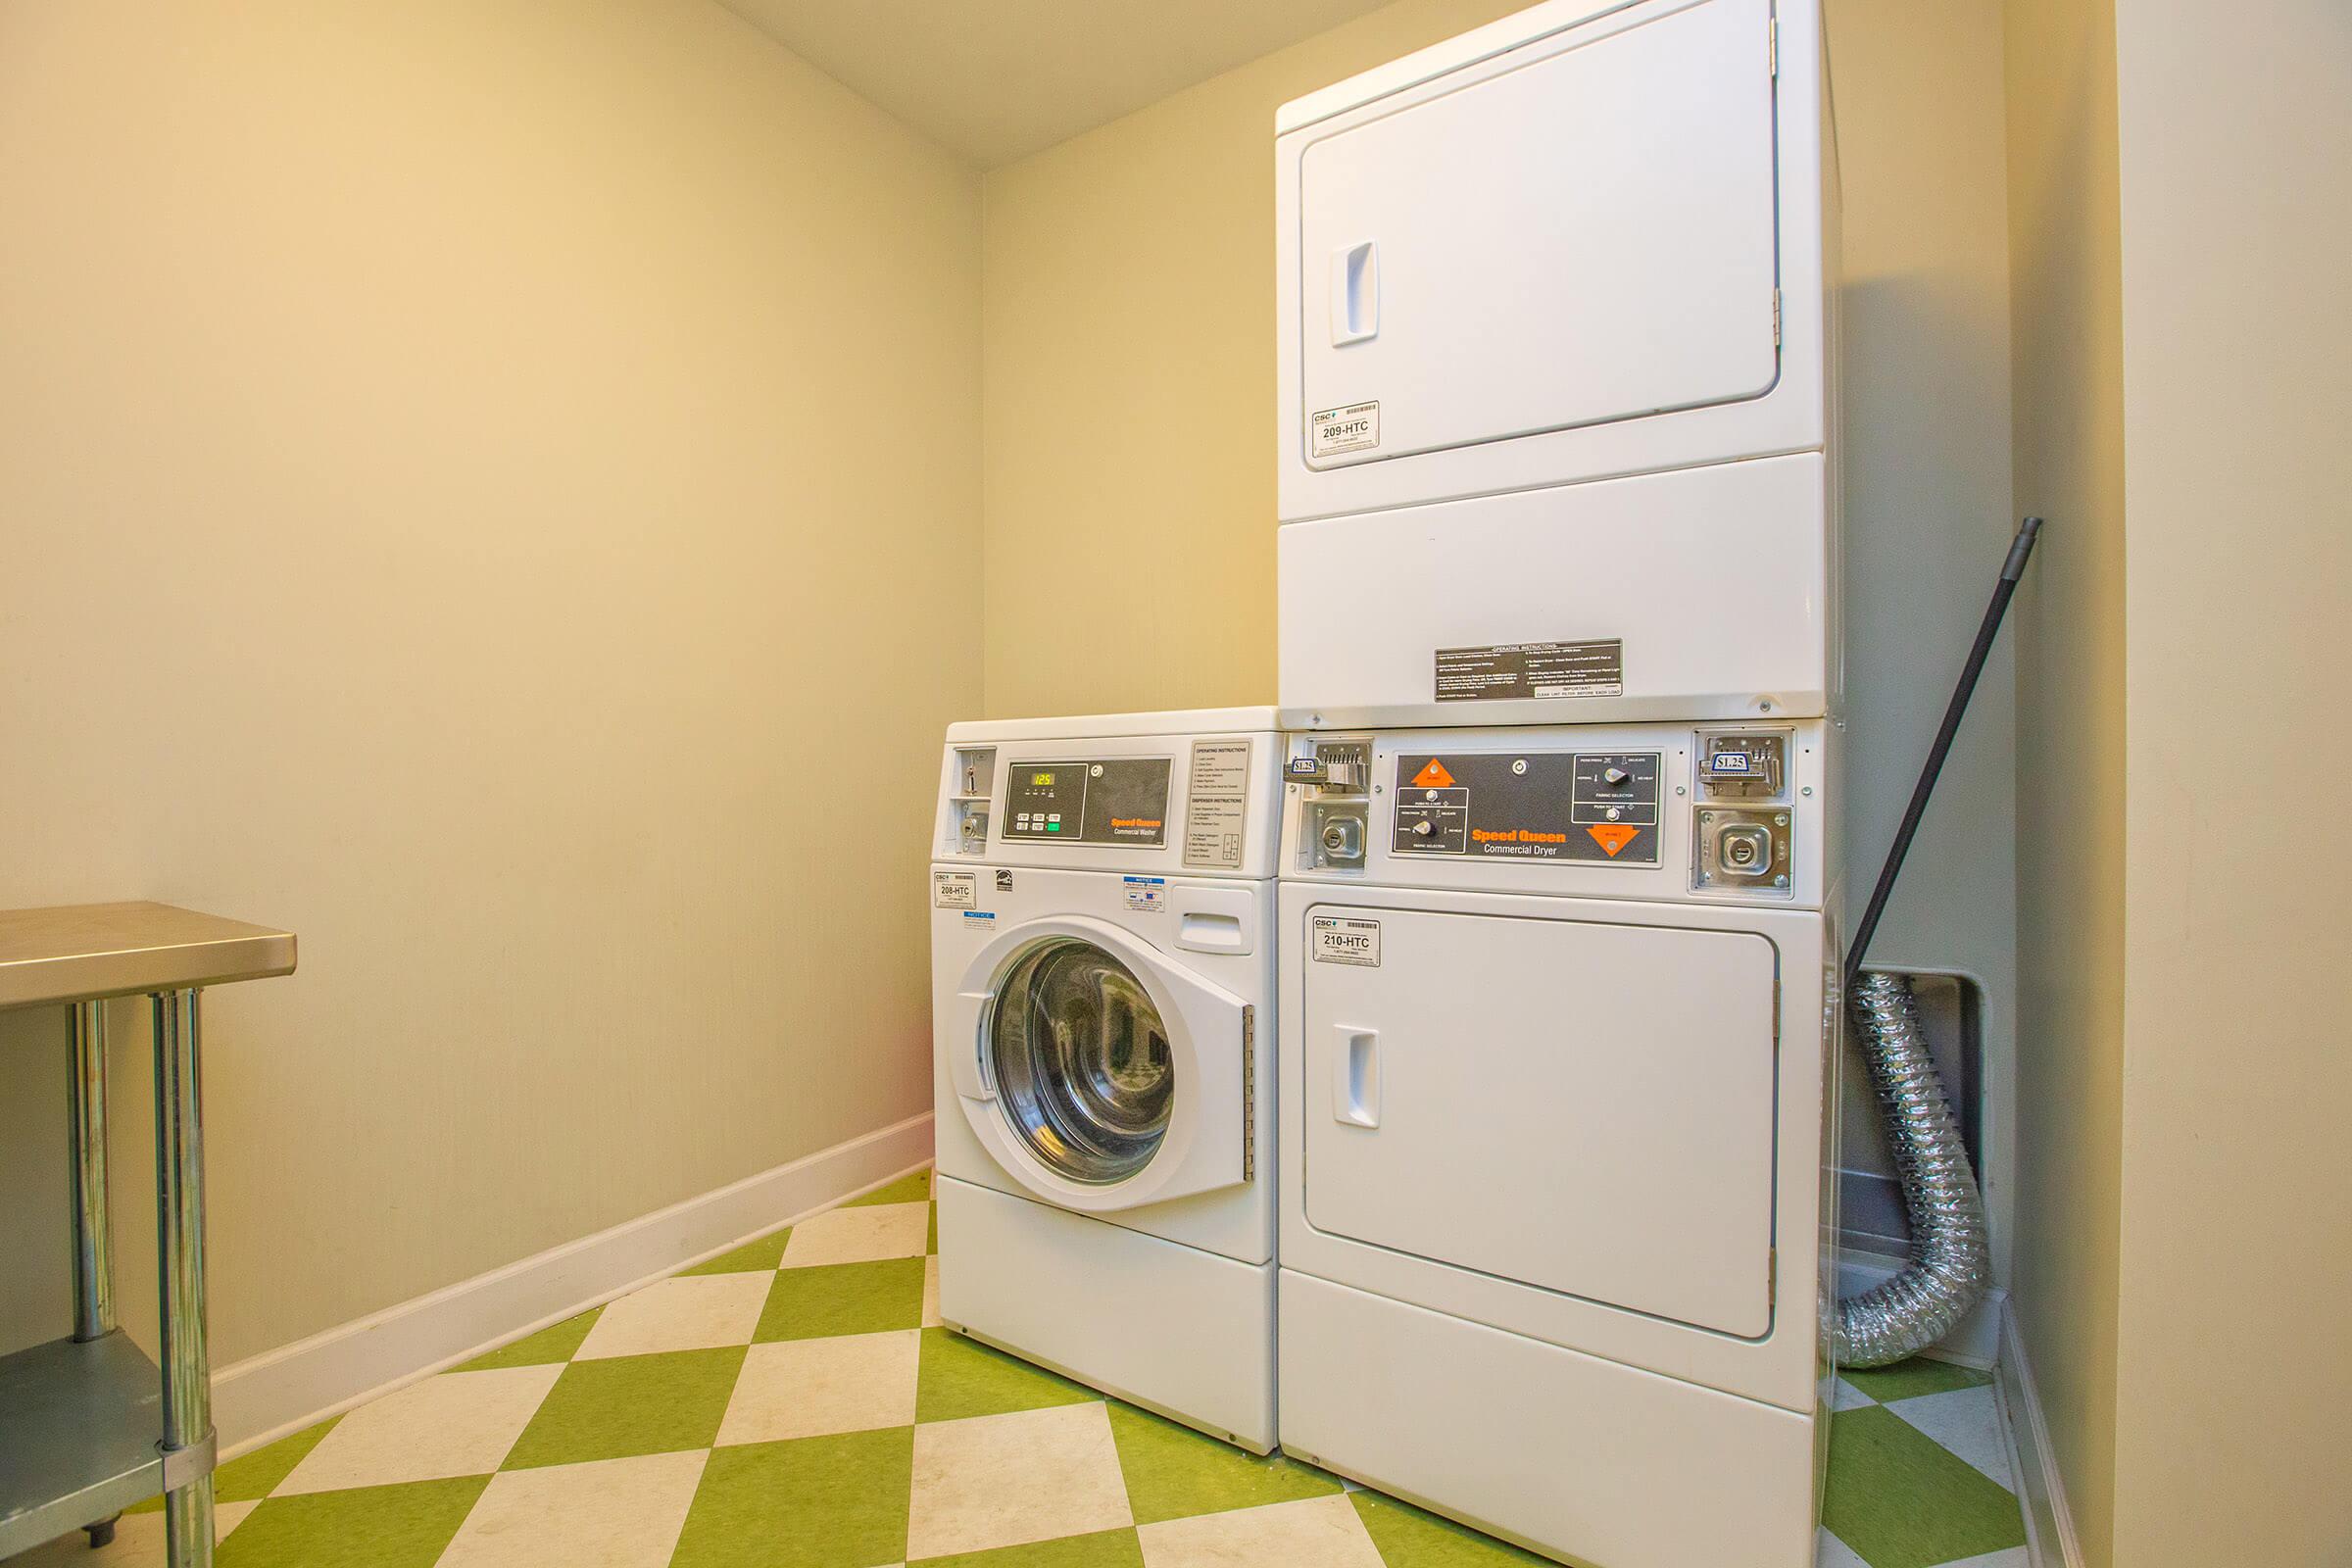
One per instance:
(1081, 1061)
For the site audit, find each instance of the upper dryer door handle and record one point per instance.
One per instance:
(1355, 292)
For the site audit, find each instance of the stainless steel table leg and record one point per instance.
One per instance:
(93, 1236)
(179, 1256)
(93, 1227)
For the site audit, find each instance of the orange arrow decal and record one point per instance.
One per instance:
(1432, 777)
(1613, 836)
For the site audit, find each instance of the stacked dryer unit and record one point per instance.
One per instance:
(1560, 902)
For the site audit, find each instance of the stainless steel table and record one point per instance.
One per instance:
(89, 1425)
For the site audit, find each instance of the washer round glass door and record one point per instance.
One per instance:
(1081, 1061)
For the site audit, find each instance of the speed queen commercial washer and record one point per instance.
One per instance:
(1103, 991)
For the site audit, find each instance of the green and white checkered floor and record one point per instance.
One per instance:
(793, 1404)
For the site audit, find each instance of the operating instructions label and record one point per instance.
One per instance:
(1216, 810)
(1509, 671)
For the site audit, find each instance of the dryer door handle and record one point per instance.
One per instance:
(1354, 293)
(964, 1050)
(1355, 1077)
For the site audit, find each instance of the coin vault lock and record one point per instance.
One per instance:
(1335, 773)
(1739, 847)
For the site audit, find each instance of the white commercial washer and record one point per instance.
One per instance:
(1102, 994)
(1557, 1098)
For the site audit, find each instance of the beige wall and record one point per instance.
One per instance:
(2236, 202)
(493, 489)
(2067, 315)
(1128, 317)
(456, 493)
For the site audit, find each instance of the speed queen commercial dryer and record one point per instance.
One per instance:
(1102, 1001)
(1556, 416)
(1556, 1071)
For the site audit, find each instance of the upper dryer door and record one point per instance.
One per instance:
(1578, 232)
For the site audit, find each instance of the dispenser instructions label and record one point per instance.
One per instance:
(1354, 428)
(1216, 812)
(1340, 939)
(954, 889)
(1515, 671)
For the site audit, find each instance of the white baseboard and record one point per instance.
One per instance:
(279, 1391)
(1974, 1341)
(2049, 1528)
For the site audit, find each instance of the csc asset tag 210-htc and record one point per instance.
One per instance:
(1342, 939)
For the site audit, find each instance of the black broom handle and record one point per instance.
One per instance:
(2012, 570)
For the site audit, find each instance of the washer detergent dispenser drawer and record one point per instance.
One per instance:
(1586, 1108)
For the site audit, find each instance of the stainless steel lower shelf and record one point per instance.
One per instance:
(79, 1428)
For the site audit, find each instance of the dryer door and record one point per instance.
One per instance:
(1585, 236)
(1099, 1073)
(1581, 1105)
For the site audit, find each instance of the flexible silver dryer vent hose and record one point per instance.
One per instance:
(1949, 1266)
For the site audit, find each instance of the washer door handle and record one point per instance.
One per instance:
(1355, 1077)
(964, 1053)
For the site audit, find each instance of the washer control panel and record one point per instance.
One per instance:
(1110, 800)
(1594, 806)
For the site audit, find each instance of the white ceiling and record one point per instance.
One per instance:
(997, 79)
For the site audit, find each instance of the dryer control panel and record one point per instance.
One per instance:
(1653, 811)
(1600, 806)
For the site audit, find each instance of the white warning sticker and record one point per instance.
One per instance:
(1515, 671)
(1354, 428)
(954, 889)
(1340, 939)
